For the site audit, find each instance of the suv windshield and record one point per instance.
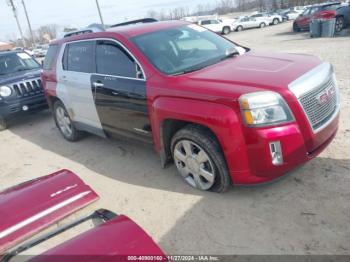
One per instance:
(184, 49)
(12, 63)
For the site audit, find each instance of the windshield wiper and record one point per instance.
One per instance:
(193, 69)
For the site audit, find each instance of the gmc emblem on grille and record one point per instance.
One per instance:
(325, 95)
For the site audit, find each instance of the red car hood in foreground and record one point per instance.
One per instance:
(114, 240)
(32, 206)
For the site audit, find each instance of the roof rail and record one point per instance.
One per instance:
(90, 29)
(138, 21)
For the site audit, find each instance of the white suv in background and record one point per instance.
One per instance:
(273, 19)
(216, 25)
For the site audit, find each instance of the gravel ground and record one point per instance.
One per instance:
(306, 213)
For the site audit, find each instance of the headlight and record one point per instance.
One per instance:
(264, 108)
(5, 91)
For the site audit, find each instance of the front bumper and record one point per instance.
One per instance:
(260, 168)
(13, 107)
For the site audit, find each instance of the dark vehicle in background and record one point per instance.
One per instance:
(20, 85)
(320, 11)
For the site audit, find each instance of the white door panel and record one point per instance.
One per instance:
(74, 90)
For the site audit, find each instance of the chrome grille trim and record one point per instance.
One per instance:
(308, 87)
(28, 87)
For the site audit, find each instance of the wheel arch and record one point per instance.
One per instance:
(168, 128)
(51, 100)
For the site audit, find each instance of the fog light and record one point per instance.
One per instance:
(25, 108)
(276, 153)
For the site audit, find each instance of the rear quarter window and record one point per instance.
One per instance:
(50, 57)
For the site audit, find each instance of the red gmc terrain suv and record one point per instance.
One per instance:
(222, 113)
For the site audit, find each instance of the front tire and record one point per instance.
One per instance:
(3, 124)
(199, 159)
(65, 124)
(240, 28)
(275, 21)
(262, 25)
(296, 28)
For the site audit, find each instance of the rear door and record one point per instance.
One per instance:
(119, 86)
(74, 86)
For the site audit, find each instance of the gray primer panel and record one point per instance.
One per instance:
(78, 98)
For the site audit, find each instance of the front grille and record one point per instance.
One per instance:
(321, 103)
(28, 88)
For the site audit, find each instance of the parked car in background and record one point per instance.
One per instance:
(272, 18)
(319, 11)
(20, 86)
(342, 17)
(292, 15)
(40, 50)
(28, 51)
(248, 22)
(216, 25)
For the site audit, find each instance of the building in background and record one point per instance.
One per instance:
(4, 46)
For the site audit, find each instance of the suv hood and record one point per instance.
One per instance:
(258, 70)
(19, 76)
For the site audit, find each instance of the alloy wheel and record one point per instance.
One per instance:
(63, 121)
(339, 23)
(194, 164)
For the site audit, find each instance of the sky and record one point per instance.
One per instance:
(80, 13)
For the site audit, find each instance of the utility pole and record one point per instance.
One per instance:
(29, 25)
(99, 13)
(12, 5)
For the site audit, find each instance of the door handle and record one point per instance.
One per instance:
(97, 84)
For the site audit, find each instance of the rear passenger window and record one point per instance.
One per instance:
(79, 57)
(50, 57)
(111, 59)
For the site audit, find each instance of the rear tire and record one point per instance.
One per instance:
(199, 159)
(275, 21)
(226, 30)
(239, 28)
(339, 24)
(65, 124)
(3, 124)
(262, 25)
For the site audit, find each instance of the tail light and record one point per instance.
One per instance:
(326, 15)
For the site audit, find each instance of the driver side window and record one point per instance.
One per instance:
(112, 59)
